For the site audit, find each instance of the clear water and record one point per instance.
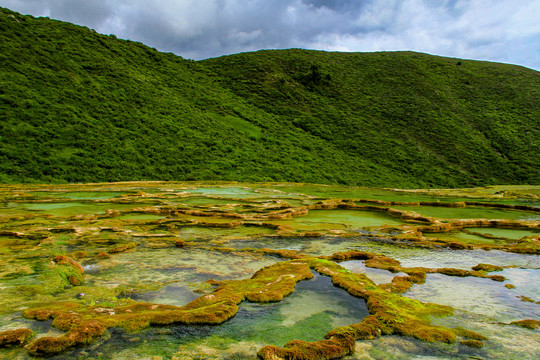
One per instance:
(377, 275)
(484, 297)
(156, 271)
(315, 308)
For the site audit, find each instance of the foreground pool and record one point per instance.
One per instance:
(164, 270)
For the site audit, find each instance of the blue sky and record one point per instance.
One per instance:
(494, 30)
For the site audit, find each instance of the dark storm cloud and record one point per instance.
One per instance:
(497, 30)
(199, 29)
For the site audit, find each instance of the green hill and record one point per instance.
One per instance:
(77, 106)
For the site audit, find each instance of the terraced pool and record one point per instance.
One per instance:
(165, 270)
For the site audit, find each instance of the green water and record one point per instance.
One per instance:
(471, 213)
(225, 191)
(363, 193)
(74, 208)
(311, 311)
(342, 219)
(315, 308)
(80, 195)
(145, 217)
(192, 232)
(514, 234)
(467, 238)
(158, 272)
(205, 201)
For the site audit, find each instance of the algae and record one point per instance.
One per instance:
(123, 260)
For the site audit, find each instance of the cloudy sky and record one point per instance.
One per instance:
(496, 30)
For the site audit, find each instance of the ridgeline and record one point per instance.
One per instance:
(77, 106)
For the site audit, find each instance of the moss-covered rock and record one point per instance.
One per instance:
(473, 343)
(16, 337)
(335, 347)
(528, 323)
(487, 268)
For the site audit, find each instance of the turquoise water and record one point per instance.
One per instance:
(156, 271)
(81, 195)
(315, 308)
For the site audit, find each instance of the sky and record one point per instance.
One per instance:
(495, 30)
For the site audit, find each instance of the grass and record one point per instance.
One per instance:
(77, 106)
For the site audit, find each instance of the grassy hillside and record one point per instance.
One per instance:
(78, 106)
(444, 121)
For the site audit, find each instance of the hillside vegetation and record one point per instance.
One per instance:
(77, 106)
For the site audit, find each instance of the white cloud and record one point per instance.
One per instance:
(497, 30)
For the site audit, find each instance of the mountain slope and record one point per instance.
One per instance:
(420, 115)
(79, 106)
